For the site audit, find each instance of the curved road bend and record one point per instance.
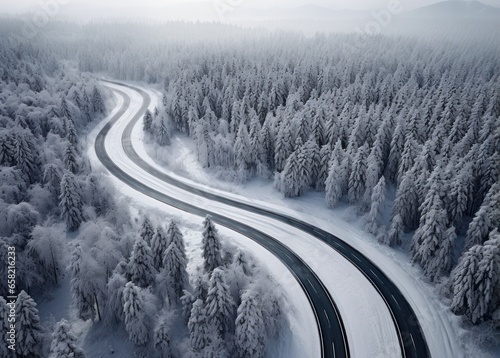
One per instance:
(409, 330)
(331, 328)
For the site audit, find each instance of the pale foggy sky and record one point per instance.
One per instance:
(26, 5)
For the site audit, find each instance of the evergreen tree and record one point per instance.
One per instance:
(395, 233)
(175, 266)
(70, 159)
(159, 244)
(116, 285)
(377, 206)
(211, 246)
(136, 317)
(219, 305)
(64, 342)
(175, 236)
(162, 134)
(82, 298)
(26, 156)
(147, 121)
(404, 204)
(250, 328)
(325, 156)
(162, 337)
(97, 101)
(357, 178)
(197, 326)
(141, 267)
(29, 331)
(242, 147)
(147, 230)
(70, 201)
(463, 281)
(334, 181)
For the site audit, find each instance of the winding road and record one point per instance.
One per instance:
(330, 325)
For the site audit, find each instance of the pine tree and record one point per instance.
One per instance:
(334, 181)
(116, 285)
(219, 305)
(141, 267)
(147, 121)
(64, 342)
(404, 204)
(284, 146)
(242, 147)
(82, 298)
(291, 176)
(136, 317)
(324, 154)
(70, 159)
(26, 156)
(29, 331)
(250, 328)
(175, 266)
(147, 230)
(52, 179)
(97, 101)
(197, 326)
(159, 244)
(211, 246)
(162, 337)
(70, 201)
(395, 233)
(377, 206)
(162, 134)
(174, 235)
(463, 281)
(357, 178)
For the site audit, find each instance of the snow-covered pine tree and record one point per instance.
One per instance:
(250, 328)
(325, 156)
(463, 282)
(284, 145)
(114, 306)
(174, 235)
(198, 326)
(70, 159)
(52, 179)
(161, 336)
(211, 246)
(487, 279)
(441, 264)
(70, 201)
(357, 178)
(26, 155)
(82, 299)
(219, 305)
(97, 101)
(334, 181)
(147, 121)
(162, 134)
(64, 342)
(147, 230)
(175, 267)
(242, 147)
(290, 184)
(141, 267)
(29, 332)
(395, 233)
(404, 204)
(159, 244)
(136, 317)
(377, 206)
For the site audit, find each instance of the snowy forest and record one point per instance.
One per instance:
(66, 223)
(404, 129)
